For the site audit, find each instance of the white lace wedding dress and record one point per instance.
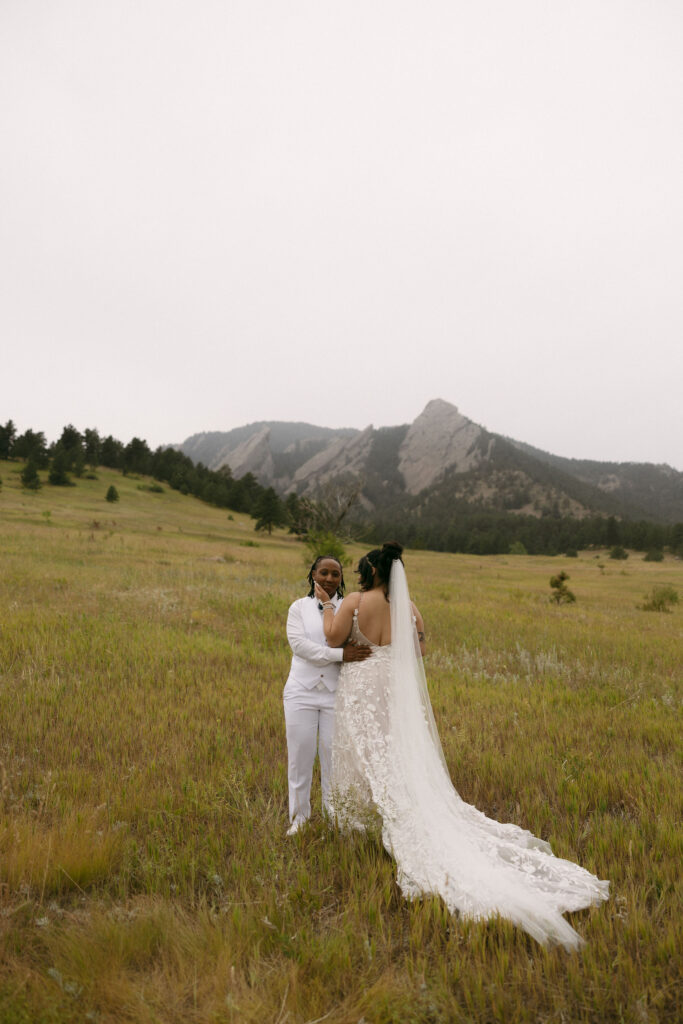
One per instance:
(387, 759)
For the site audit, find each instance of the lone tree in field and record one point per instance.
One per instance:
(561, 593)
(29, 477)
(112, 494)
(270, 511)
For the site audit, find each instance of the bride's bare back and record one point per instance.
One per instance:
(374, 616)
(374, 619)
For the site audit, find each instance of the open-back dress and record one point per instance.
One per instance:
(387, 760)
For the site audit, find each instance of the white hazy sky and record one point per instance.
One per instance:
(220, 211)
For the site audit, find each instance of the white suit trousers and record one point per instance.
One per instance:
(309, 720)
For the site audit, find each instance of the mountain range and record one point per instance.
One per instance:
(441, 460)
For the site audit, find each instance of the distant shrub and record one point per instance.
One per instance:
(618, 552)
(249, 544)
(29, 476)
(231, 517)
(155, 488)
(112, 494)
(324, 542)
(517, 548)
(660, 599)
(655, 555)
(561, 593)
(91, 476)
(571, 553)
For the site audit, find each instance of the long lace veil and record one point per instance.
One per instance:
(443, 845)
(412, 720)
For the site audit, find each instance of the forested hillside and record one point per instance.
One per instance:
(504, 502)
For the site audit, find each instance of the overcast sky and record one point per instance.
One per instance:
(221, 211)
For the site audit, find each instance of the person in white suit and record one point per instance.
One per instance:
(310, 691)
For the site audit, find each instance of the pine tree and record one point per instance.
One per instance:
(270, 511)
(137, 457)
(612, 533)
(561, 593)
(112, 494)
(71, 443)
(58, 475)
(7, 435)
(93, 447)
(295, 514)
(111, 453)
(31, 445)
(676, 540)
(29, 476)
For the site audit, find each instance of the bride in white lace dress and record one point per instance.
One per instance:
(387, 758)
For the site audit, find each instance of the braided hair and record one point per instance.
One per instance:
(319, 559)
(379, 559)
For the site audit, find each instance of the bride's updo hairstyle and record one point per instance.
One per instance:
(379, 559)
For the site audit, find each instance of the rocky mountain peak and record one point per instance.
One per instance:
(253, 456)
(342, 457)
(439, 439)
(437, 407)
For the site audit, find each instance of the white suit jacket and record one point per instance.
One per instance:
(313, 661)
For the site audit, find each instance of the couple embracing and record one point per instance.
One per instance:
(357, 691)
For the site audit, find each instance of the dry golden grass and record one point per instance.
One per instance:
(144, 870)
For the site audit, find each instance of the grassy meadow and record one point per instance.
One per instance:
(145, 875)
